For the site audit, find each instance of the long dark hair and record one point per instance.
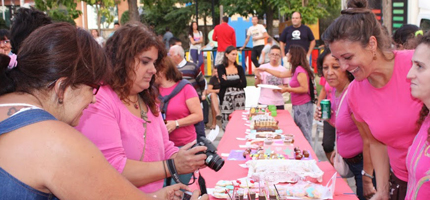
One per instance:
(191, 31)
(320, 62)
(228, 50)
(298, 58)
(122, 48)
(66, 51)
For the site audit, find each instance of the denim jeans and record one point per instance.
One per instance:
(356, 170)
(196, 57)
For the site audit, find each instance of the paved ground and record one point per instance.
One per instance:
(252, 95)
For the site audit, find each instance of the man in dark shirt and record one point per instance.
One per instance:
(297, 33)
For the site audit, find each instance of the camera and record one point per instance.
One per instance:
(213, 160)
(187, 195)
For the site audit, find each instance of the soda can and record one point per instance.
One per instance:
(325, 109)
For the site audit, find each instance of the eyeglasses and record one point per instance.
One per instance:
(95, 87)
(4, 41)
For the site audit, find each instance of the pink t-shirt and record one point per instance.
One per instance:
(177, 109)
(349, 141)
(120, 135)
(418, 163)
(299, 99)
(269, 96)
(327, 87)
(390, 112)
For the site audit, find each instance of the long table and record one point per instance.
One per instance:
(231, 170)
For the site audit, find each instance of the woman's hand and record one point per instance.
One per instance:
(332, 157)
(170, 125)
(186, 160)
(224, 77)
(282, 90)
(172, 192)
(317, 115)
(368, 188)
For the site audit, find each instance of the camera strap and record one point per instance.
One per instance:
(172, 169)
(202, 184)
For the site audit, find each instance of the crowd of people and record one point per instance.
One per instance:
(118, 118)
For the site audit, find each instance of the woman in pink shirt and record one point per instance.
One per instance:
(380, 96)
(182, 111)
(418, 159)
(329, 131)
(125, 123)
(349, 142)
(300, 74)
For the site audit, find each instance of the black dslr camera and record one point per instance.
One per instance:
(213, 160)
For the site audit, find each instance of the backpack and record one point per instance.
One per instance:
(164, 100)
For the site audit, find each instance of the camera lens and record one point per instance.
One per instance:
(214, 162)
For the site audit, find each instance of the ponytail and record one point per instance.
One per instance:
(7, 84)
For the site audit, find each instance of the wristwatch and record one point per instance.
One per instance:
(177, 123)
(366, 174)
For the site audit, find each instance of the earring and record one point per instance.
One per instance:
(374, 56)
(60, 101)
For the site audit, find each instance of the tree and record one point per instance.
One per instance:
(311, 10)
(102, 8)
(59, 10)
(164, 13)
(133, 10)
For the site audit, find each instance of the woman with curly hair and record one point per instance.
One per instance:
(125, 123)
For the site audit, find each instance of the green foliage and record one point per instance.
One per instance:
(311, 12)
(103, 10)
(3, 24)
(59, 15)
(164, 13)
(125, 17)
(59, 10)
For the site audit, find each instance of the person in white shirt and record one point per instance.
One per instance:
(258, 33)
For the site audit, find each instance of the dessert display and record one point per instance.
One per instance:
(284, 171)
(264, 123)
(259, 110)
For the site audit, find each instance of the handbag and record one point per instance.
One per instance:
(339, 164)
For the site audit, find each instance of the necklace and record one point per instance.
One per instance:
(135, 103)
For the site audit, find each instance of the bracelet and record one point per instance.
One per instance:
(164, 166)
(366, 174)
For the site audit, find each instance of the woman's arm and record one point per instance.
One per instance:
(304, 85)
(242, 76)
(192, 40)
(211, 90)
(368, 187)
(196, 115)
(222, 81)
(74, 168)
(380, 162)
(279, 74)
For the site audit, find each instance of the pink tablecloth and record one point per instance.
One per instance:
(231, 169)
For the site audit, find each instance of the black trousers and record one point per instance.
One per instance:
(256, 52)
